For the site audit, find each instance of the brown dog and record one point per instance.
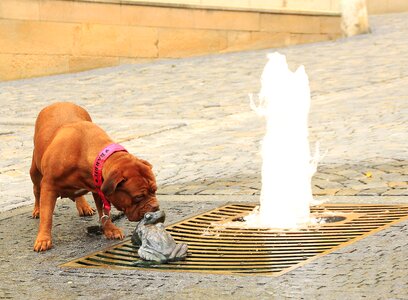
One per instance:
(66, 148)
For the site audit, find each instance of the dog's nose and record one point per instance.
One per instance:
(155, 207)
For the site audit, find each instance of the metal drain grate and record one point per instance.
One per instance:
(230, 250)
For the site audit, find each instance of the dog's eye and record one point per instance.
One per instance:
(138, 198)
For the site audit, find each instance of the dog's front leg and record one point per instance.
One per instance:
(48, 198)
(109, 229)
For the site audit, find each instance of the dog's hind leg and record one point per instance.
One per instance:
(84, 209)
(36, 179)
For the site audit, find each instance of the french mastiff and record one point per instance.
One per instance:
(73, 156)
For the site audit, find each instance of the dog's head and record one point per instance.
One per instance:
(130, 186)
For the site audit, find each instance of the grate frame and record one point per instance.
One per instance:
(218, 249)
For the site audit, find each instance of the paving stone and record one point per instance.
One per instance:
(398, 184)
(347, 192)
(372, 192)
(191, 119)
(396, 192)
(326, 191)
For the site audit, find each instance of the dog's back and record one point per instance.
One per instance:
(53, 117)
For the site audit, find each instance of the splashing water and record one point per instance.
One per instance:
(287, 169)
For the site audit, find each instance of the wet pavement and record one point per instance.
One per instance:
(191, 119)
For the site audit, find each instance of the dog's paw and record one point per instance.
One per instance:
(86, 211)
(42, 244)
(36, 213)
(83, 208)
(113, 233)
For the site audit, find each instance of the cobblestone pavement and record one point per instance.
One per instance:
(373, 268)
(191, 119)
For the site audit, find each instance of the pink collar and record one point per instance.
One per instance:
(97, 173)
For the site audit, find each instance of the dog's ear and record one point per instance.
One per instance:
(109, 184)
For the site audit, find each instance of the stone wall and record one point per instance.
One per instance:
(386, 6)
(42, 37)
(287, 5)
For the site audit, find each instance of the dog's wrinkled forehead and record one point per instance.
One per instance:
(138, 169)
(141, 178)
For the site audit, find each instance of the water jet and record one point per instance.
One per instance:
(287, 167)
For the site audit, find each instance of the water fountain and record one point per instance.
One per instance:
(287, 169)
(285, 232)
